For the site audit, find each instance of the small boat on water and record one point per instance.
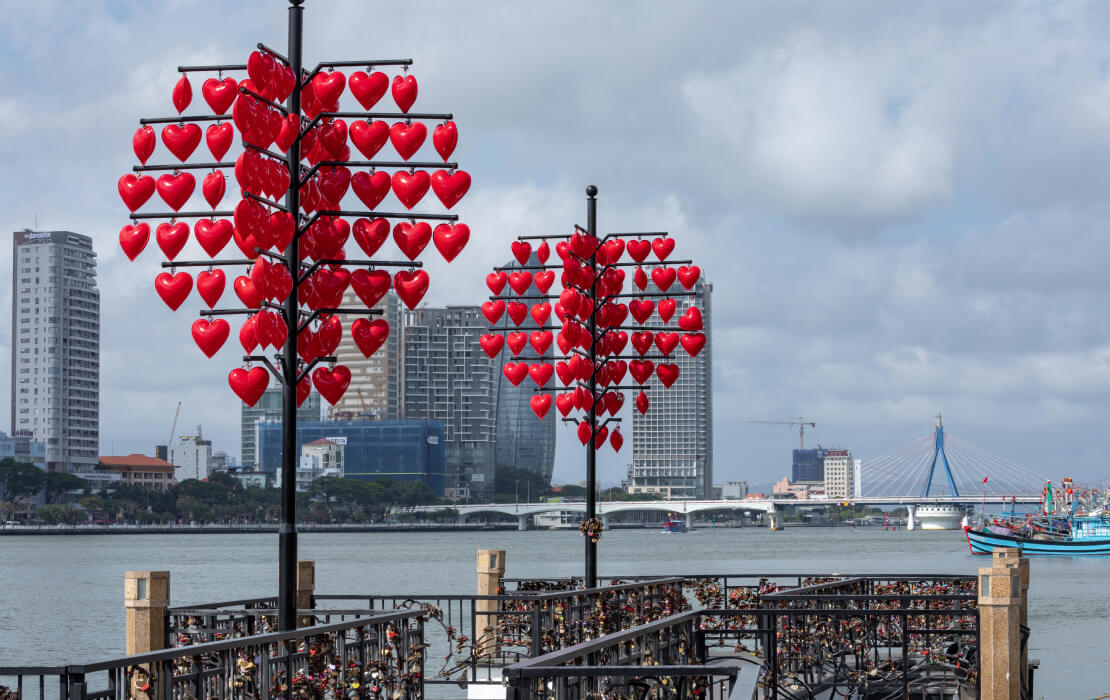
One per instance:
(1081, 535)
(674, 525)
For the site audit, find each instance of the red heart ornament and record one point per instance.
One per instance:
(565, 403)
(248, 293)
(663, 277)
(210, 336)
(260, 276)
(639, 278)
(492, 344)
(541, 373)
(638, 249)
(496, 281)
(515, 372)
(412, 238)
(182, 94)
(599, 437)
(565, 372)
(249, 385)
(212, 235)
(641, 309)
(641, 370)
(172, 238)
(210, 286)
(584, 432)
(143, 143)
(410, 188)
(616, 440)
(541, 312)
(181, 140)
(617, 342)
(666, 342)
(327, 88)
(540, 341)
(614, 249)
(283, 83)
(368, 88)
(450, 187)
(544, 280)
(407, 138)
(614, 401)
(213, 188)
(543, 252)
(369, 335)
(372, 188)
(329, 335)
(667, 308)
(219, 137)
(662, 247)
(247, 337)
(173, 288)
(411, 286)
(334, 182)
(522, 250)
(333, 137)
(444, 138)
(370, 285)
(133, 239)
(688, 276)
(516, 342)
(667, 374)
(279, 283)
(175, 190)
(492, 310)
(331, 383)
(370, 234)
(451, 239)
(691, 320)
(541, 404)
(517, 311)
(290, 127)
(641, 341)
(369, 137)
(520, 281)
(616, 369)
(304, 388)
(693, 343)
(642, 403)
(219, 94)
(404, 91)
(260, 68)
(135, 191)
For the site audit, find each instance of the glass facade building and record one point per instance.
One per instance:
(406, 450)
(56, 347)
(808, 466)
(672, 445)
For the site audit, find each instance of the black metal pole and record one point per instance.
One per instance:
(591, 448)
(287, 535)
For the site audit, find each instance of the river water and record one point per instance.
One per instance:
(61, 597)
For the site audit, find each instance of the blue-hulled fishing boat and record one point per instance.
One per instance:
(674, 525)
(1079, 535)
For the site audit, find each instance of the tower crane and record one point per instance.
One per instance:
(173, 428)
(801, 423)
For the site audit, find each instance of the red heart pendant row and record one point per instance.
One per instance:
(255, 220)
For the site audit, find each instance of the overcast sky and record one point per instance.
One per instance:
(901, 205)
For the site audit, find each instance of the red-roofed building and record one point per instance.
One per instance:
(140, 470)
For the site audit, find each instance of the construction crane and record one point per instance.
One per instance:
(173, 428)
(801, 423)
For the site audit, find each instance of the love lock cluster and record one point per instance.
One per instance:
(290, 221)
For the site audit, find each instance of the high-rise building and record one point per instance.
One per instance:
(447, 377)
(672, 444)
(191, 456)
(840, 472)
(56, 347)
(375, 391)
(523, 440)
(268, 408)
(808, 466)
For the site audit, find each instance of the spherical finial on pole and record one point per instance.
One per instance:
(591, 190)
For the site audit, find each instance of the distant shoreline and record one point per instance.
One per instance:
(215, 529)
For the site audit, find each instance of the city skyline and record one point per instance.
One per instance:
(902, 235)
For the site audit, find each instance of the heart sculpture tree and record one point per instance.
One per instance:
(594, 330)
(304, 215)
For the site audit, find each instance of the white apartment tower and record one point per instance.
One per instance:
(672, 445)
(56, 347)
(840, 470)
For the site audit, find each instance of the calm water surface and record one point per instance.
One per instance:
(61, 597)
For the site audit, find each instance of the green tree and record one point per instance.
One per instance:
(19, 480)
(58, 483)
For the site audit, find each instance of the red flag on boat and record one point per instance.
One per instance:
(984, 479)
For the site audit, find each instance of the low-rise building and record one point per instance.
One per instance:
(22, 447)
(785, 489)
(734, 489)
(139, 470)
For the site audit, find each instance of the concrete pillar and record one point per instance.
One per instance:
(146, 595)
(491, 571)
(306, 587)
(999, 633)
(1010, 557)
(689, 522)
(911, 517)
(522, 522)
(773, 519)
